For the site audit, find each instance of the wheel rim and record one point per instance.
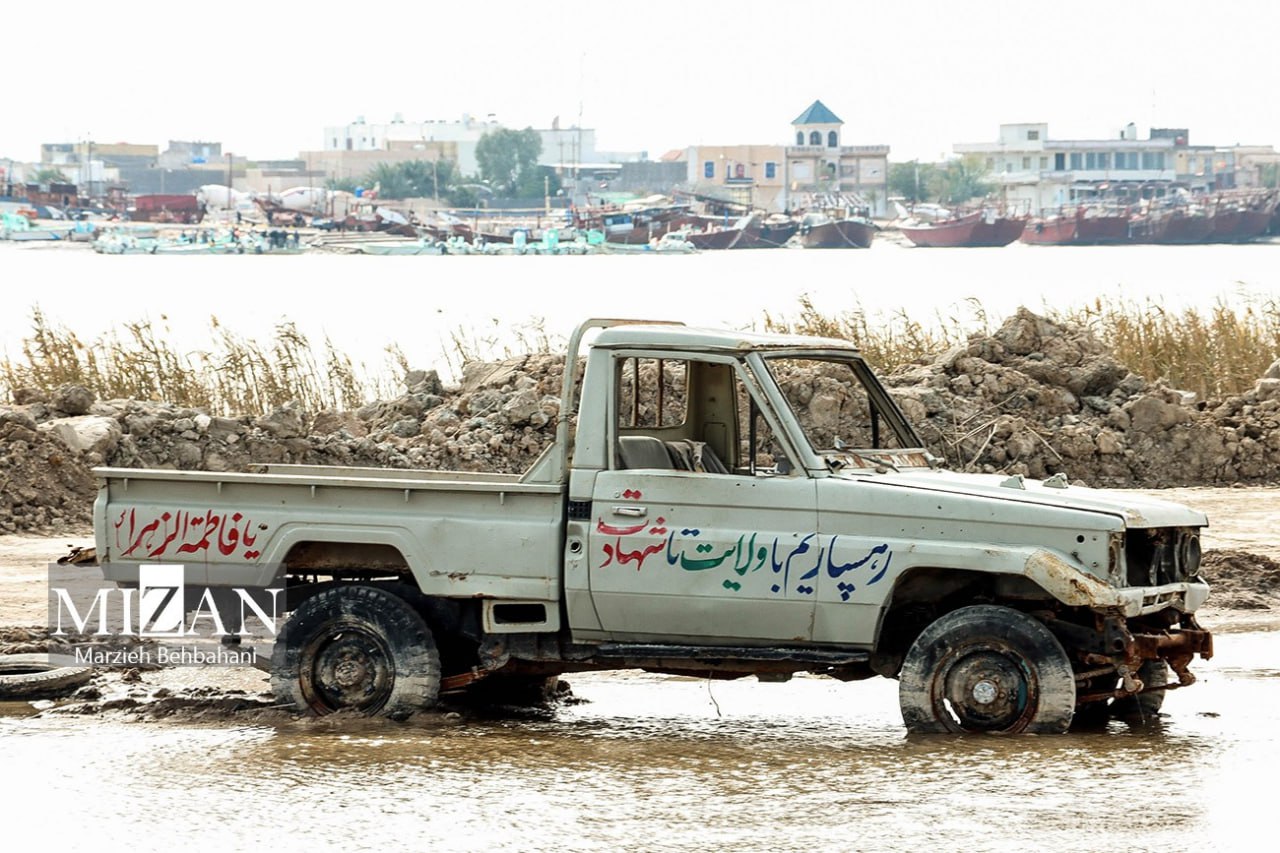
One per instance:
(349, 666)
(989, 688)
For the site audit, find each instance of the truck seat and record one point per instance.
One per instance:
(644, 451)
(698, 456)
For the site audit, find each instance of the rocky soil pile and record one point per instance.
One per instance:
(1034, 398)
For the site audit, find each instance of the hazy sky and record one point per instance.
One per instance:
(264, 78)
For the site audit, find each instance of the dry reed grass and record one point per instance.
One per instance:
(1219, 352)
(1214, 353)
(237, 375)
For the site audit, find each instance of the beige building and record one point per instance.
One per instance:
(778, 177)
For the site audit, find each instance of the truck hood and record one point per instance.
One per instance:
(1136, 510)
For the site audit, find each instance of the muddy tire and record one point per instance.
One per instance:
(987, 669)
(356, 648)
(1144, 706)
(40, 676)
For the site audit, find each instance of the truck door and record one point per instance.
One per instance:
(693, 555)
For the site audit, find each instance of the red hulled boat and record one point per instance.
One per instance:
(945, 232)
(1053, 230)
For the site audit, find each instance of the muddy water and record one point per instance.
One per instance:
(657, 763)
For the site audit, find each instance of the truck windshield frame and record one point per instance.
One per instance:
(828, 392)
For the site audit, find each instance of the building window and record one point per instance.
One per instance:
(1091, 160)
(1059, 162)
(1026, 163)
(799, 137)
(1044, 162)
(815, 138)
(709, 169)
(1076, 160)
(1104, 160)
(1153, 160)
(1033, 134)
(832, 139)
(739, 171)
(770, 169)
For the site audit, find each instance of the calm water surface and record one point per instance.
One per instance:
(421, 303)
(657, 763)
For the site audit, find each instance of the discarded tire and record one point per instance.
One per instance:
(39, 676)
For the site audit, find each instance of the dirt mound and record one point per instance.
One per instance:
(1038, 398)
(44, 483)
(1035, 398)
(1240, 580)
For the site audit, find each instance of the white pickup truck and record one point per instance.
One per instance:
(720, 504)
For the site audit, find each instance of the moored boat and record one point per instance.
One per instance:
(768, 234)
(721, 237)
(1054, 230)
(822, 231)
(941, 233)
(996, 230)
(1099, 226)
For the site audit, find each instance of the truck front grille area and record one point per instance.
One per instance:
(1161, 555)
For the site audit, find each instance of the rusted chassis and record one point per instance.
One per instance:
(1116, 646)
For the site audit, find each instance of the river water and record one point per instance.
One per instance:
(421, 304)
(661, 763)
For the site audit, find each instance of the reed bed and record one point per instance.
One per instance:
(1214, 353)
(236, 375)
(1218, 352)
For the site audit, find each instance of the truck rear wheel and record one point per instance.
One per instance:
(987, 669)
(356, 648)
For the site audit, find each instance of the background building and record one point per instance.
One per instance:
(1034, 172)
(778, 177)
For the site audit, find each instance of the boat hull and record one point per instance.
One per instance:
(770, 236)
(839, 234)
(957, 232)
(1051, 231)
(1102, 230)
(1001, 231)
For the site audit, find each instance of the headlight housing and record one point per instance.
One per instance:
(1161, 555)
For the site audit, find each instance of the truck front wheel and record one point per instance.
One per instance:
(356, 648)
(987, 668)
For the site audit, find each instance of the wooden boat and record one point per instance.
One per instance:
(1238, 224)
(946, 232)
(1098, 226)
(634, 227)
(822, 231)
(721, 237)
(768, 234)
(1055, 230)
(1176, 226)
(993, 230)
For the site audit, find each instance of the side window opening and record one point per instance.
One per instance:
(831, 405)
(675, 414)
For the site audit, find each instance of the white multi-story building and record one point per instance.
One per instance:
(1033, 171)
(561, 147)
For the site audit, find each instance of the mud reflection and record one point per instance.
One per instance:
(661, 764)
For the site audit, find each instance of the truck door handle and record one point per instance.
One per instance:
(631, 510)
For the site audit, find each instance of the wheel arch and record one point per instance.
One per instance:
(923, 594)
